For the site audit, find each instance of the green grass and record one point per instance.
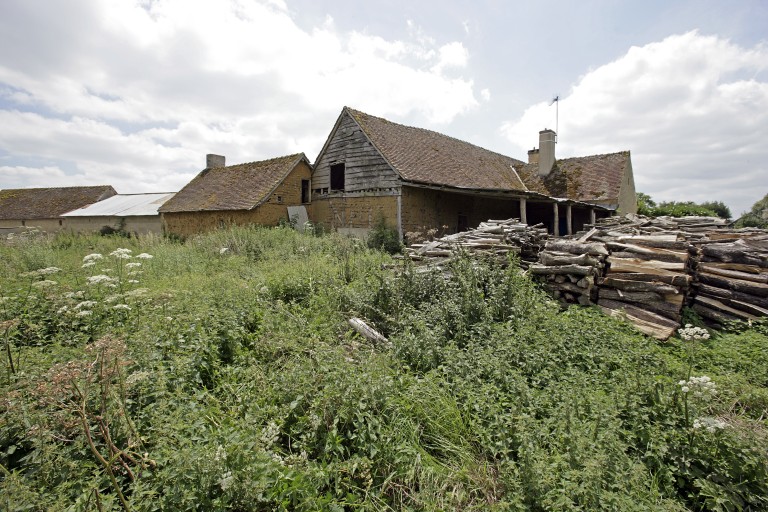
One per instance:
(233, 382)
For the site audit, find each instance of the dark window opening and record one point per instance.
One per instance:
(463, 223)
(279, 199)
(304, 191)
(337, 177)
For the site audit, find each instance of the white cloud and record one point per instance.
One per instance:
(134, 94)
(691, 108)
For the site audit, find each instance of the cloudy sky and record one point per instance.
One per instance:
(134, 93)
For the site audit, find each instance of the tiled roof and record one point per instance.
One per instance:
(235, 187)
(48, 203)
(124, 205)
(586, 178)
(424, 156)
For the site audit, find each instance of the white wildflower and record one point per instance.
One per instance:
(144, 256)
(86, 304)
(221, 454)
(74, 295)
(88, 264)
(112, 298)
(84, 312)
(700, 387)
(123, 254)
(62, 310)
(99, 279)
(92, 257)
(133, 281)
(137, 292)
(224, 250)
(270, 434)
(132, 264)
(44, 284)
(48, 270)
(226, 480)
(122, 306)
(711, 425)
(690, 333)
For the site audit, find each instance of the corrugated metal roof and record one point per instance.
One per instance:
(124, 205)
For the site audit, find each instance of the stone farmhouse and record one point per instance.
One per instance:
(42, 207)
(415, 179)
(249, 193)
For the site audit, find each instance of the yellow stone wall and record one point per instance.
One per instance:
(269, 213)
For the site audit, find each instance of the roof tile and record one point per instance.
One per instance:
(48, 203)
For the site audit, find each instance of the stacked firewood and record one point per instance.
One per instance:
(493, 237)
(731, 281)
(569, 268)
(647, 278)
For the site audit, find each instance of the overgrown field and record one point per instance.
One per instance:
(220, 374)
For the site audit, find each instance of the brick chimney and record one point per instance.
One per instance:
(546, 157)
(212, 161)
(533, 156)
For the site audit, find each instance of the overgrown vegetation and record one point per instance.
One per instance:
(220, 374)
(648, 207)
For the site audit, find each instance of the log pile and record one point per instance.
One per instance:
(569, 268)
(494, 237)
(731, 281)
(647, 276)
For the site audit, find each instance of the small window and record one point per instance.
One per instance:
(337, 176)
(280, 199)
(304, 191)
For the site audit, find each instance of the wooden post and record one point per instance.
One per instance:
(523, 212)
(556, 225)
(569, 219)
(592, 216)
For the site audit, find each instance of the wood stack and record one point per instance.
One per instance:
(731, 281)
(493, 237)
(568, 269)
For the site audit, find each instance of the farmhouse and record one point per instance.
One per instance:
(605, 180)
(43, 207)
(248, 193)
(414, 179)
(128, 213)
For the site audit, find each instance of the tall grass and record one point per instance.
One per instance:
(226, 378)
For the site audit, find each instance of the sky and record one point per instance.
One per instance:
(135, 93)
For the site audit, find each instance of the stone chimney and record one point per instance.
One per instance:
(533, 156)
(212, 161)
(546, 156)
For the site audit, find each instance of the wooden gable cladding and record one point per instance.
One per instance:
(365, 168)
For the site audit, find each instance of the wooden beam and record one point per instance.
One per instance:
(592, 217)
(523, 211)
(569, 219)
(556, 225)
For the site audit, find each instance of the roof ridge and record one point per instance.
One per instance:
(273, 159)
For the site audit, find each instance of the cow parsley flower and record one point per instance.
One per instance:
(226, 480)
(224, 250)
(123, 254)
(144, 256)
(84, 312)
(100, 279)
(711, 425)
(44, 284)
(122, 306)
(132, 264)
(85, 304)
(92, 257)
(700, 387)
(691, 333)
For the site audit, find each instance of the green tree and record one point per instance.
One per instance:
(757, 217)
(648, 207)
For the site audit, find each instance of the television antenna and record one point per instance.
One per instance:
(556, 101)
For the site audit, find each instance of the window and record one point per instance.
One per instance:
(280, 199)
(304, 191)
(337, 176)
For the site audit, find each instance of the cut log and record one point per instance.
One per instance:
(658, 331)
(735, 274)
(680, 280)
(569, 246)
(658, 253)
(633, 264)
(644, 297)
(638, 286)
(745, 307)
(713, 314)
(752, 288)
(367, 332)
(739, 267)
(736, 252)
(723, 293)
(578, 270)
(551, 258)
(723, 308)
